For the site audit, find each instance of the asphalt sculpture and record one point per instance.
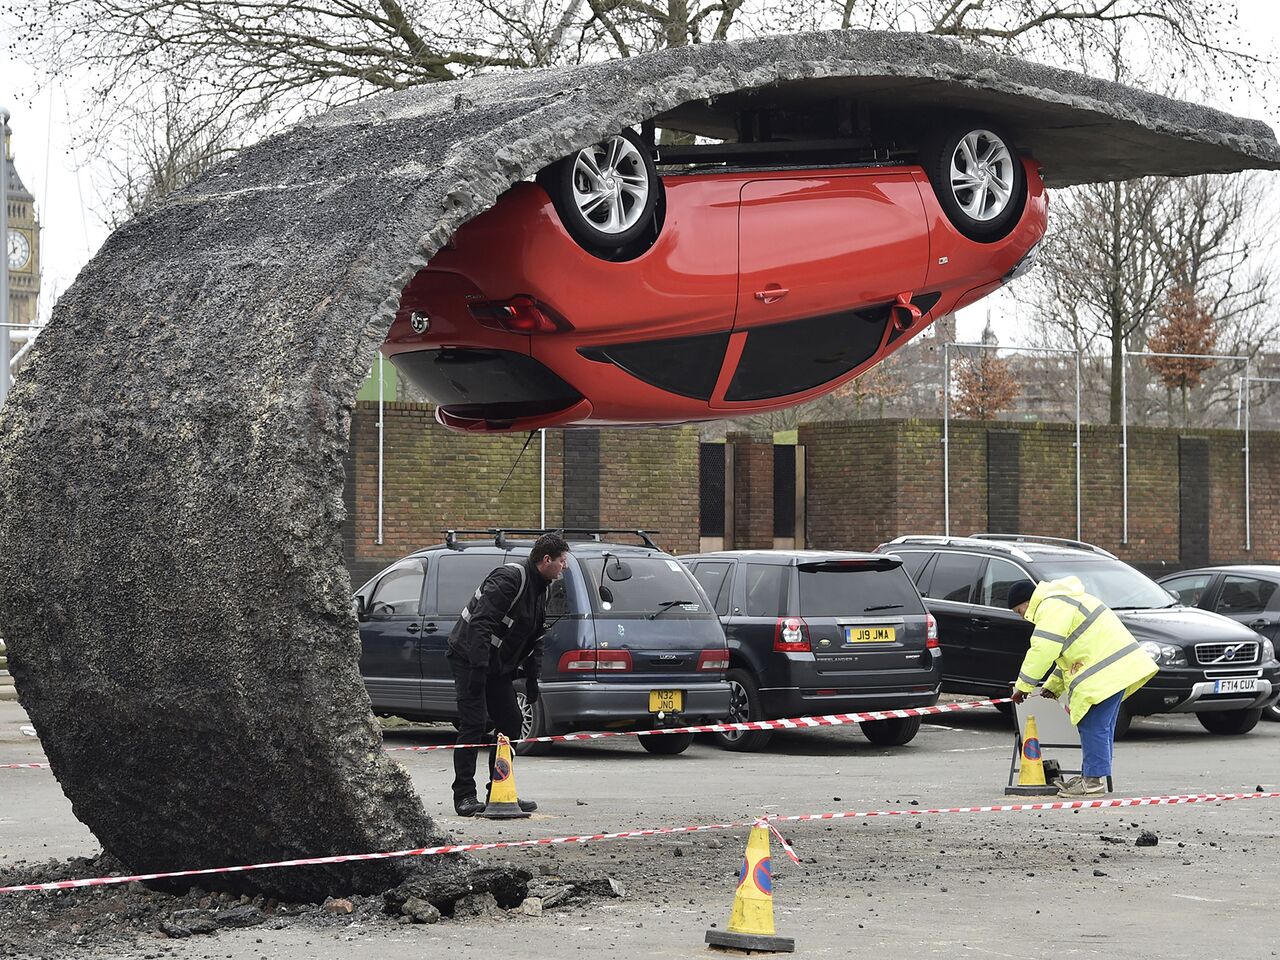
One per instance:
(171, 579)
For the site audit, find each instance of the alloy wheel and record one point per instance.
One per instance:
(611, 184)
(526, 716)
(739, 710)
(982, 175)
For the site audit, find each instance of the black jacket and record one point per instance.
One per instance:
(499, 631)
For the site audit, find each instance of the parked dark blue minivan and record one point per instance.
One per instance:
(632, 641)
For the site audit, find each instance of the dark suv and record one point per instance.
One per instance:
(816, 632)
(631, 641)
(965, 582)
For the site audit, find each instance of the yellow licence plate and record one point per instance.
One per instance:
(870, 634)
(666, 701)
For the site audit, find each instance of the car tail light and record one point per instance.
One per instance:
(931, 636)
(521, 314)
(791, 635)
(581, 661)
(713, 660)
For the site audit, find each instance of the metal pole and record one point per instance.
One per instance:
(1124, 441)
(1079, 528)
(1239, 402)
(1248, 530)
(946, 439)
(542, 522)
(380, 439)
(4, 267)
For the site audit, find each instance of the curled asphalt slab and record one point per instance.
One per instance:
(171, 579)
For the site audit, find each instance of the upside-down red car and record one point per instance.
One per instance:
(749, 277)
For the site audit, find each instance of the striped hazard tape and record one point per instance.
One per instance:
(792, 723)
(1158, 801)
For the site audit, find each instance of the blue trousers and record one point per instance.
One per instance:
(1097, 734)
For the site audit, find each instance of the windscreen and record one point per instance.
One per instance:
(852, 590)
(1113, 582)
(656, 583)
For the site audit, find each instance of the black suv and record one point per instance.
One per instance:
(965, 582)
(631, 641)
(817, 632)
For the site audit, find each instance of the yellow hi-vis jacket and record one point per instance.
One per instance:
(1092, 655)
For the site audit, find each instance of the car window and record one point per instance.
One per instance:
(400, 590)
(458, 576)
(715, 578)
(766, 590)
(953, 577)
(1189, 589)
(913, 562)
(1244, 595)
(999, 576)
(831, 590)
(1113, 582)
(655, 581)
(557, 599)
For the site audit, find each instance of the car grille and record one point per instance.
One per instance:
(1227, 654)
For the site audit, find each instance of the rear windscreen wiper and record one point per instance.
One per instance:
(883, 606)
(666, 605)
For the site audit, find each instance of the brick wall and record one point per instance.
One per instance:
(752, 490)
(435, 479)
(869, 481)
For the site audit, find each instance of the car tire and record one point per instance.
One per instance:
(891, 733)
(1272, 713)
(667, 744)
(1229, 723)
(978, 178)
(1124, 720)
(535, 725)
(744, 708)
(611, 230)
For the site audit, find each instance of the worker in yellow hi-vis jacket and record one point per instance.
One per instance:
(1093, 658)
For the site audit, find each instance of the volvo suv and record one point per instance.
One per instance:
(631, 642)
(1210, 665)
(818, 632)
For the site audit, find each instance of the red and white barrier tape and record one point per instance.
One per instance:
(793, 723)
(651, 832)
(24, 766)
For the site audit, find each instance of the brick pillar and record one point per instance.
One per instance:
(752, 491)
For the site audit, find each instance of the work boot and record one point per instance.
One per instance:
(1065, 782)
(1087, 787)
(528, 806)
(468, 807)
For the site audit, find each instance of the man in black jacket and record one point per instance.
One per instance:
(499, 632)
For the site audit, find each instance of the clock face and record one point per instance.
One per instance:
(19, 250)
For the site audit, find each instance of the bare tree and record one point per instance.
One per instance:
(984, 386)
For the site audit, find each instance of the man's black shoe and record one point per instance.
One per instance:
(468, 807)
(528, 806)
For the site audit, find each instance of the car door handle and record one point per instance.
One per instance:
(772, 293)
(430, 628)
(413, 628)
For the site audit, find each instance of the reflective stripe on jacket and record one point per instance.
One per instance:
(1091, 654)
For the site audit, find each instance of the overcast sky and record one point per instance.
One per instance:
(71, 207)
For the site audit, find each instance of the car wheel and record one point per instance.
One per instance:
(891, 733)
(1230, 722)
(606, 194)
(978, 179)
(667, 744)
(1124, 720)
(533, 724)
(744, 707)
(1272, 713)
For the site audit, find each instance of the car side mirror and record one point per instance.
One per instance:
(618, 571)
(358, 608)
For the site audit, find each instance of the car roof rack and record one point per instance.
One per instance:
(1049, 541)
(500, 534)
(944, 541)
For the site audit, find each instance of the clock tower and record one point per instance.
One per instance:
(22, 244)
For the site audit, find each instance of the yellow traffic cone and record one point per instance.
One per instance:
(1031, 770)
(751, 920)
(503, 803)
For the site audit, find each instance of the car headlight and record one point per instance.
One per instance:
(1268, 650)
(1164, 654)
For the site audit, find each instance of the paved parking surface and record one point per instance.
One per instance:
(993, 885)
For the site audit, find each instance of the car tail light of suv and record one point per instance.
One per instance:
(931, 638)
(521, 314)
(791, 635)
(713, 660)
(585, 661)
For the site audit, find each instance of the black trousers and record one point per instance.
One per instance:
(478, 717)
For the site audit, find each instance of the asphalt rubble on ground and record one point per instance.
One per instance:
(87, 920)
